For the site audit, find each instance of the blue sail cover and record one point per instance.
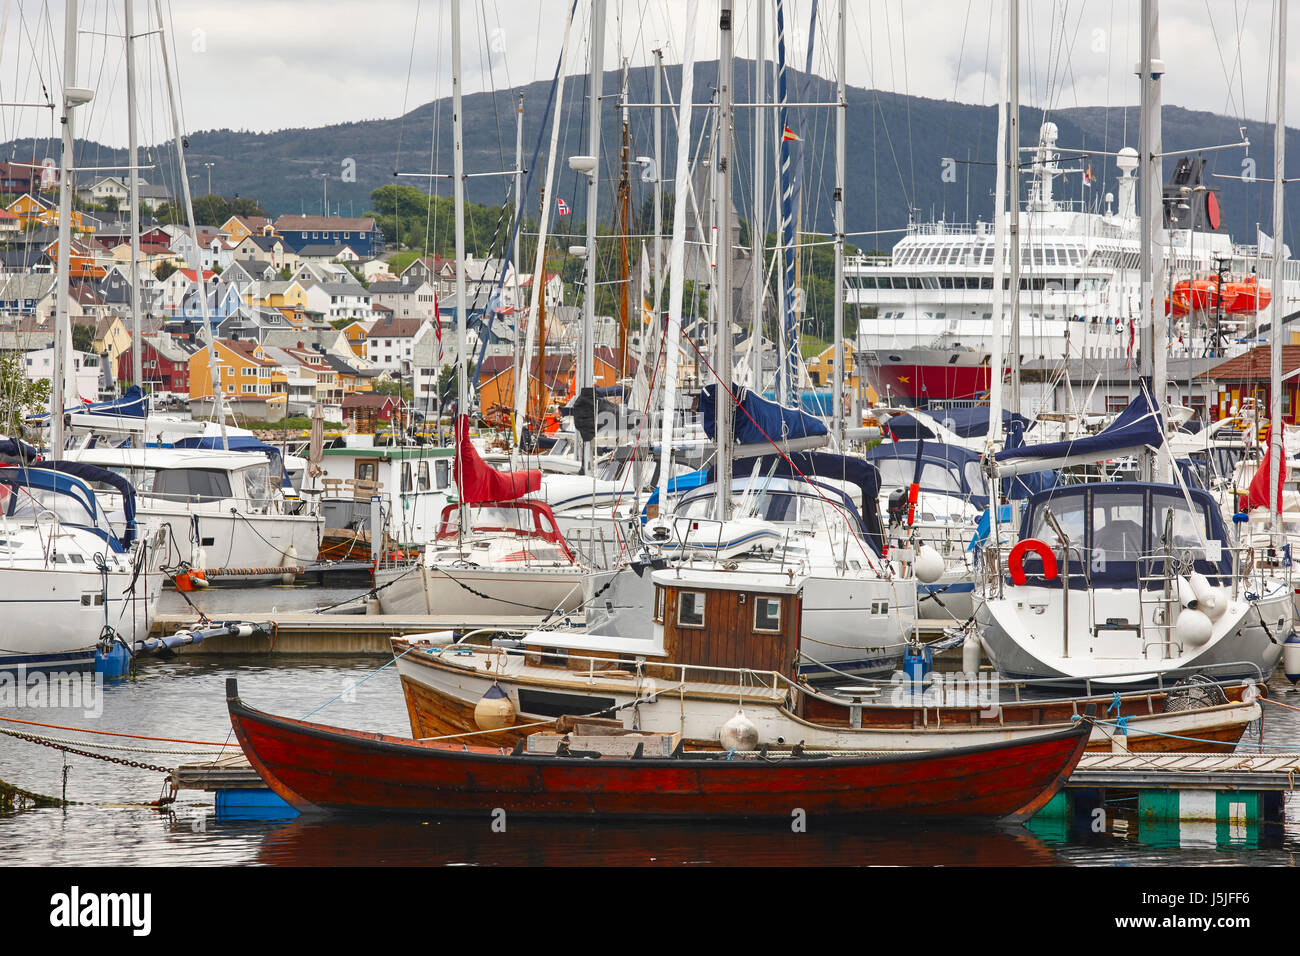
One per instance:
(758, 420)
(69, 478)
(133, 404)
(812, 465)
(970, 422)
(1138, 426)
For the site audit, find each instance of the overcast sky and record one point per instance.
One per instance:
(271, 64)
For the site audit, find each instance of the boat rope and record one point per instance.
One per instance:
(550, 612)
(1196, 740)
(367, 594)
(1270, 700)
(113, 733)
(352, 687)
(34, 738)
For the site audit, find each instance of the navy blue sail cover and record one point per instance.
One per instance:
(758, 420)
(817, 464)
(970, 422)
(1139, 424)
(950, 469)
(134, 403)
(1117, 530)
(72, 479)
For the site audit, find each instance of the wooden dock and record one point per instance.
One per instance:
(303, 632)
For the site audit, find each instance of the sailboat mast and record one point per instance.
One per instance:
(758, 222)
(1013, 197)
(625, 219)
(1276, 311)
(133, 174)
(1151, 319)
(841, 98)
(519, 204)
(659, 181)
(62, 321)
(586, 355)
(722, 368)
(458, 178)
(218, 397)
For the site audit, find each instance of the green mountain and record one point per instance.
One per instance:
(897, 147)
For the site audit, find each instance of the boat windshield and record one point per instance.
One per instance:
(935, 476)
(780, 507)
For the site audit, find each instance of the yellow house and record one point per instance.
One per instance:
(243, 369)
(821, 368)
(280, 295)
(111, 336)
(357, 336)
(238, 228)
(28, 208)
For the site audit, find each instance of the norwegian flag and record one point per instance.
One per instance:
(437, 332)
(562, 206)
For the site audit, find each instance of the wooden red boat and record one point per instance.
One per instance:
(328, 769)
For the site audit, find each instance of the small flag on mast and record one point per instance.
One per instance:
(789, 135)
(562, 207)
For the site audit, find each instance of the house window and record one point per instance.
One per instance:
(767, 615)
(690, 609)
(1116, 404)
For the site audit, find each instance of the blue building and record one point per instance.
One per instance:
(360, 234)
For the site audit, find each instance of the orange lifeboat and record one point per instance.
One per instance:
(1237, 297)
(1247, 296)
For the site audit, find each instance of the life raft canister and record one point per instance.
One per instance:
(1016, 561)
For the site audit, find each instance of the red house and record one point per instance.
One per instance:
(366, 410)
(164, 364)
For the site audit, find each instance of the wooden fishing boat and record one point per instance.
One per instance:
(724, 643)
(319, 768)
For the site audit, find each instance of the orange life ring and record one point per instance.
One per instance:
(1016, 561)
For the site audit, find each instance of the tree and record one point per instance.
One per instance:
(19, 396)
(83, 337)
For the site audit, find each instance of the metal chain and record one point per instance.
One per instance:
(86, 753)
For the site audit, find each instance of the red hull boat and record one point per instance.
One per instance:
(328, 769)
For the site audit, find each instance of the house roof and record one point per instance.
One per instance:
(246, 348)
(1254, 365)
(392, 327)
(324, 223)
(369, 400)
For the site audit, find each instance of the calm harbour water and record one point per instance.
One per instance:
(185, 698)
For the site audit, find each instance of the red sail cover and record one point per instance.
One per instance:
(1257, 495)
(479, 482)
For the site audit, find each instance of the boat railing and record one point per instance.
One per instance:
(933, 692)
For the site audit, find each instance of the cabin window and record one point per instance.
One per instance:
(1117, 526)
(406, 477)
(659, 604)
(767, 615)
(690, 609)
(442, 470)
(366, 470)
(423, 477)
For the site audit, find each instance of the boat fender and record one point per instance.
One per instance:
(1210, 599)
(288, 559)
(1291, 658)
(738, 733)
(970, 654)
(494, 710)
(929, 565)
(1194, 628)
(1016, 560)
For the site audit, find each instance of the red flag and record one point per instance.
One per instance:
(1257, 495)
(478, 482)
(562, 207)
(789, 135)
